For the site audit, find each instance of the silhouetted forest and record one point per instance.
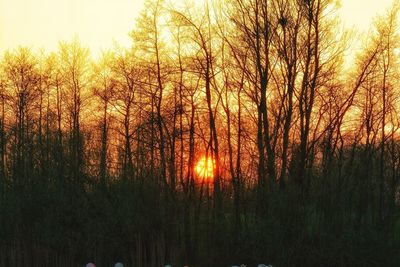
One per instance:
(108, 159)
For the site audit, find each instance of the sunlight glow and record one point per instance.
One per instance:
(98, 23)
(43, 23)
(205, 168)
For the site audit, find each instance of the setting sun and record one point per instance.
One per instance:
(205, 168)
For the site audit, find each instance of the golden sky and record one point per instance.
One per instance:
(43, 23)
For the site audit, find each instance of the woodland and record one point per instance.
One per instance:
(230, 131)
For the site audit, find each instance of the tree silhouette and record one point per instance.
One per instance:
(230, 131)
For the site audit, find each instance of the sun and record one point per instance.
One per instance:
(205, 168)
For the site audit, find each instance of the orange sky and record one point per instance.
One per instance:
(43, 23)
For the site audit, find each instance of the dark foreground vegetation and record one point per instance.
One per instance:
(98, 158)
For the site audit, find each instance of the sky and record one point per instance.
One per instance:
(43, 23)
(100, 23)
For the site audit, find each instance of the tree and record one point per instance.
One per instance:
(104, 89)
(74, 61)
(23, 78)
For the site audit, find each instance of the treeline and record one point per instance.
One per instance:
(97, 157)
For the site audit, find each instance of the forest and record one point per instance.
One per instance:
(229, 132)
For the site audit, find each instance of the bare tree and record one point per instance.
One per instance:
(104, 89)
(74, 60)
